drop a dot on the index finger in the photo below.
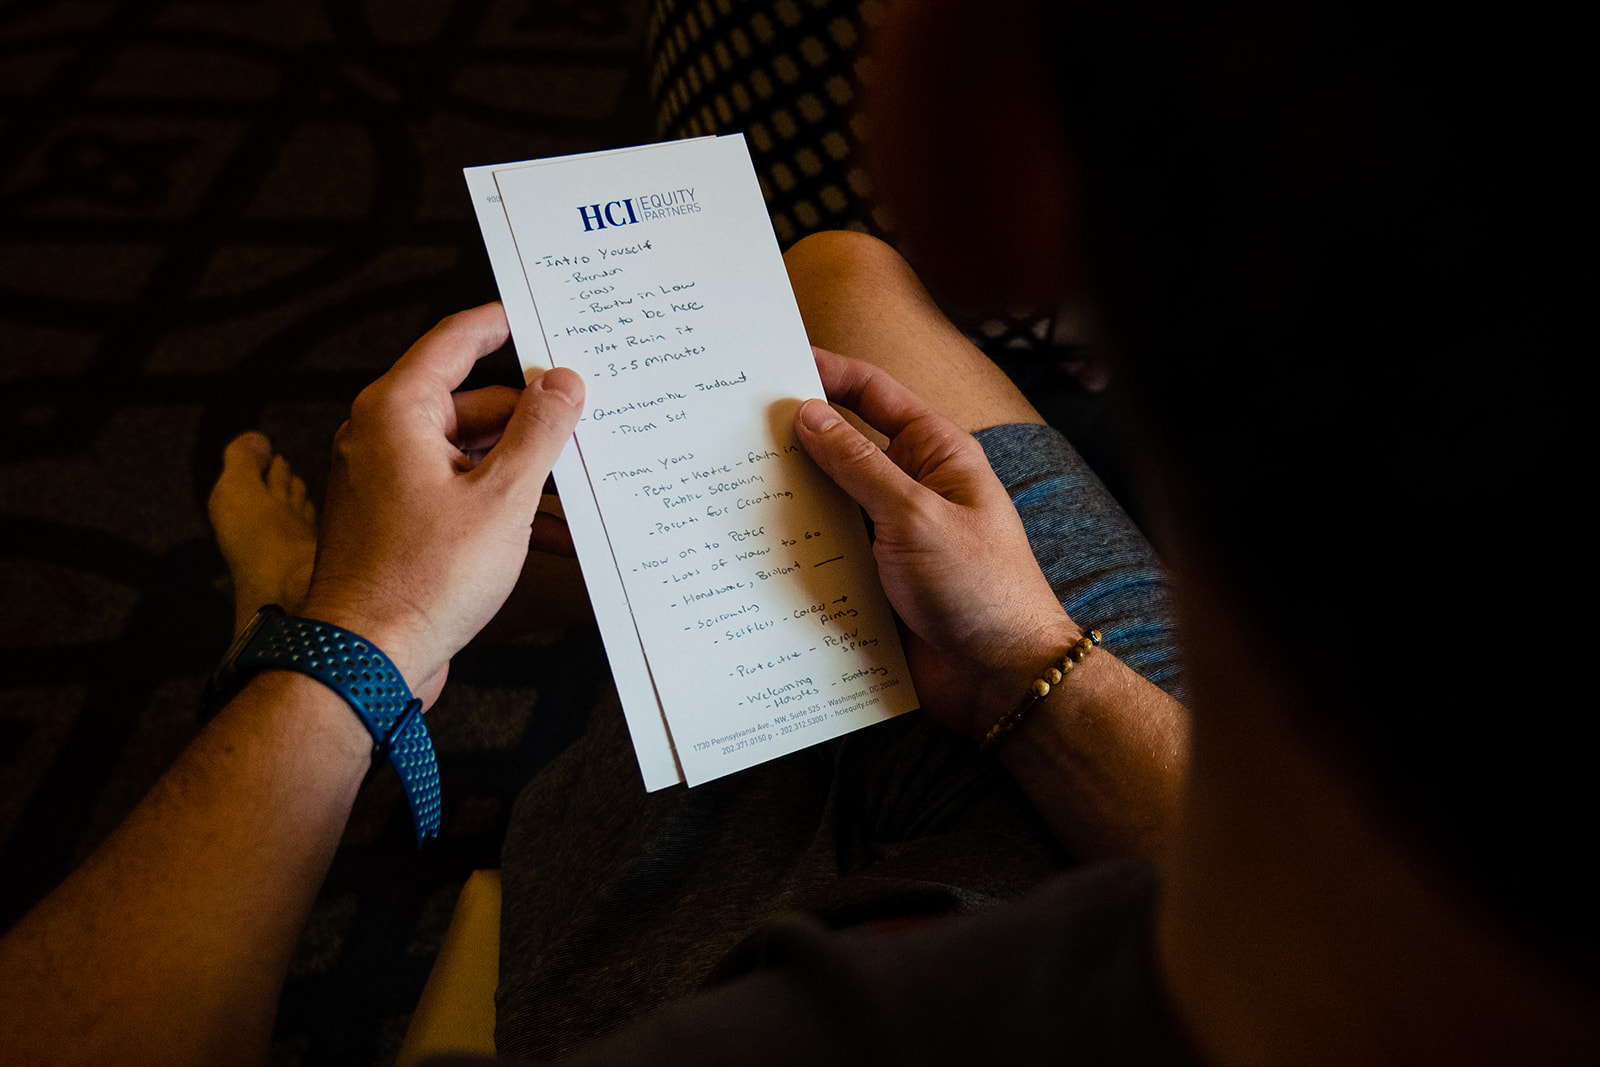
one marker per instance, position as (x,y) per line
(871,392)
(442,358)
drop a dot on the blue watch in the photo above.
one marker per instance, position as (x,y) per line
(354,668)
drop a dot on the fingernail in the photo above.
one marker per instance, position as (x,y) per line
(568,385)
(817,415)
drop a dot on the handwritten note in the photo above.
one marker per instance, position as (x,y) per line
(734,583)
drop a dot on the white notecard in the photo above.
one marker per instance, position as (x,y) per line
(733,581)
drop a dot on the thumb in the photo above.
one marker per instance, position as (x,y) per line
(858,466)
(545,416)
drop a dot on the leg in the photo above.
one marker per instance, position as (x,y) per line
(860,299)
(265,526)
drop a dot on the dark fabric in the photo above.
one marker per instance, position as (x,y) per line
(617,901)
(1068,975)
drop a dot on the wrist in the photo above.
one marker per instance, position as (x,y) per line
(397,642)
(1049,683)
(361,675)
(1006,679)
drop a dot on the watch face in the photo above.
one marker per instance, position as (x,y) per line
(219,687)
(250,629)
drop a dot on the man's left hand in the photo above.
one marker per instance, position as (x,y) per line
(432,496)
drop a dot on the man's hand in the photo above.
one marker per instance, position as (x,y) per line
(1102,759)
(950,547)
(432,496)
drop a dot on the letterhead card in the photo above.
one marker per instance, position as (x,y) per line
(729,568)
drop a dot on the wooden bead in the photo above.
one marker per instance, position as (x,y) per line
(1050,676)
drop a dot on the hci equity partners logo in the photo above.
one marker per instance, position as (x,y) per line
(630,210)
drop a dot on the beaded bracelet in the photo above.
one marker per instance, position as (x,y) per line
(1052,676)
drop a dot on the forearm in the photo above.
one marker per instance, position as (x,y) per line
(172,941)
(1102,758)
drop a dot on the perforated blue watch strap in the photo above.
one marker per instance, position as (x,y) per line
(352,667)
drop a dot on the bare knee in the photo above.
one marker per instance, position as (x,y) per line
(835,261)
(852,286)
(842,250)
(858,297)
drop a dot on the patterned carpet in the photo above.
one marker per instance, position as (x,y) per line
(225,214)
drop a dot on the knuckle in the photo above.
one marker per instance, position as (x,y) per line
(859,452)
(371,403)
(549,430)
(343,441)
